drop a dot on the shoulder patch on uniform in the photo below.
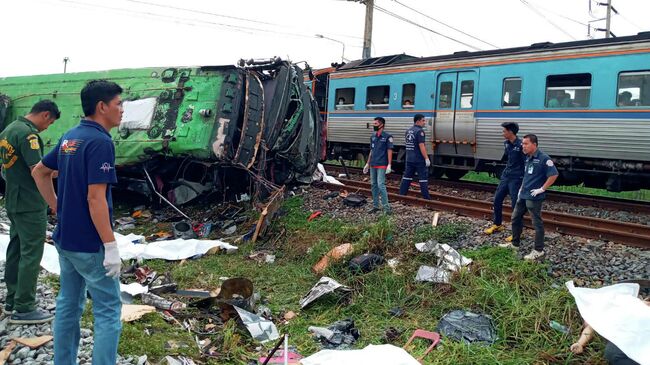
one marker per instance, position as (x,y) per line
(33,141)
(390,139)
(549,162)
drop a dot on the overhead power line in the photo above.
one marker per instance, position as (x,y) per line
(446,25)
(397,16)
(547,19)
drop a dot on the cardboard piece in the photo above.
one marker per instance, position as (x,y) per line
(133,312)
(33,342)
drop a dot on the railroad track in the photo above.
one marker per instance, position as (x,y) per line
(621,232)
(570,198)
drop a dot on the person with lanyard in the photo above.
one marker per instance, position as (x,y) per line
(21,149)
(539,174)
(379,161)
(88,255)
(417,159)
(511,177)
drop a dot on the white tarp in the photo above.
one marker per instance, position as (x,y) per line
(138,114)
(167,250)
(617,314)
(320,174)
(371,354)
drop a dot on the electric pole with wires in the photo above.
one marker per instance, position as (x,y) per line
(367,30)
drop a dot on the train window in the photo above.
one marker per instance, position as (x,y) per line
(466,94)
(408,96)
(633,89)
(568,91)
(377,97)
(446,95)
(345,99)
(511,93)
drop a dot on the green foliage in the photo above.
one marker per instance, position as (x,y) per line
(444,233)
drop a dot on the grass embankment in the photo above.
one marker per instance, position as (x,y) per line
(520,296)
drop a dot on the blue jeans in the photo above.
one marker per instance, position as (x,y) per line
(378,184)
(506,186)
(81,271)
(423,178)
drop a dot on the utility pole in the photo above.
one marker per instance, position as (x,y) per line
(65,63)
(367,32)
(609,19)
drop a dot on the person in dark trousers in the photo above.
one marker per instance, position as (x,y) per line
(417,159)
(21,149)
(511,177)
(379,161)
(88,253)
(539,174)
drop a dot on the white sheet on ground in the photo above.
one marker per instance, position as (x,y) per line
(321,174)
(617,314)
(371,354)
(167,250)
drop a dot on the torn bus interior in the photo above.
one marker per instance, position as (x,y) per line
(195,131)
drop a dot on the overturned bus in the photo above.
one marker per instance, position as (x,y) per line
(188,131)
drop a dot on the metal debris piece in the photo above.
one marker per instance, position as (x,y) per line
(268,213)
(235,292)
(162,303)
(260,328)
(339,335)
(183,229)
(468,327)
(324,286)
(433,274)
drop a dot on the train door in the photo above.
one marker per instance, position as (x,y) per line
(454,124)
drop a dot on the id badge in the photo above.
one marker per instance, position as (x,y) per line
(530,169)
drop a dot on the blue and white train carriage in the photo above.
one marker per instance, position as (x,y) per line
(587,101)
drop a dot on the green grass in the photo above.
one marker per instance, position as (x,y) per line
(520,296)
(643,195)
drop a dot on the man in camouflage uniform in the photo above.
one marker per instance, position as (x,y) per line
(21,149)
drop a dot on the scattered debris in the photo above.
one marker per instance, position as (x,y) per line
(133,312)
(289,315)
(278,358)
(321,175)
(393,263)
(268,213)
(162,303)
(396,312)
(324,286)
(331,195)
(371,354)
(314,215)
(392,334)
(558,327)
(6,352)
(434,337)
(230,230)
(354,200)
(183,230)
(262,257)
(195,293)
(260,328)
(180,360)
(449,260)
(33,342)
(468,327)
(339,335)
(144,275)
(366,262)
(334,254)
(436,218)
(134,289)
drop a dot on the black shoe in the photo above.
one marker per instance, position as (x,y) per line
(33,317)
(373,210)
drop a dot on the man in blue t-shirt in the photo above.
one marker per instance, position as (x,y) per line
(417,159)
(511,176)
(379,160)
(88,254)
(539,174)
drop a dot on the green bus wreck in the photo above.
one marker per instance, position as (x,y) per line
(187,131)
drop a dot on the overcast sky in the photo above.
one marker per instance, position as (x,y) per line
(100,34)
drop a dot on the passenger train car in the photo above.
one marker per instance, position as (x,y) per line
(587,101)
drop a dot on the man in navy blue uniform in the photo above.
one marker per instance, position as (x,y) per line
(88,253)
(379,160)
(539,174)
(417,159)
(512,175)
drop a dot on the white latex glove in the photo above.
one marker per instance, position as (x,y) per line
(112,262)
(388,169)
(536,192)
(427,162)
(366,169)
